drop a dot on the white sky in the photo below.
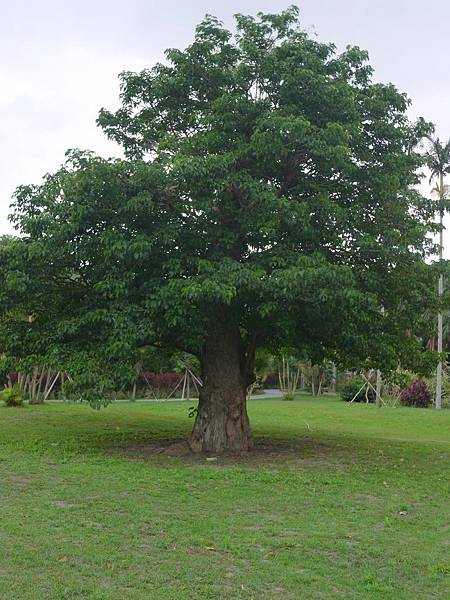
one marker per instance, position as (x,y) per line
(60,60)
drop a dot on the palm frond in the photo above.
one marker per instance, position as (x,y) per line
(438,157)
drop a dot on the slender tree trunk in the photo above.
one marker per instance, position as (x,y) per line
(41,379)
(26,384)
(63,395)
(222,422)
(35,393)
(33,386)
(47,381)
(55,379)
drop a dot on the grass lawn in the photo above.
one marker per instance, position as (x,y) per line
(339,501)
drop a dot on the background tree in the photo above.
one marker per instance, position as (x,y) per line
(266,201)
(438,160)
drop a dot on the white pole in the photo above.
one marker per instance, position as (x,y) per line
(378,399)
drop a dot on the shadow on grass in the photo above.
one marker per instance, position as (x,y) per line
(155,432)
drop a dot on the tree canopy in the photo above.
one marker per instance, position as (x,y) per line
(266,199)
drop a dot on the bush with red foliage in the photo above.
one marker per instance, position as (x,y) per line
(162,380)
(416,394)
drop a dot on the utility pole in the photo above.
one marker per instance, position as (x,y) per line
(438,398)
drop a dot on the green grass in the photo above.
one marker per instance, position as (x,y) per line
(339,501)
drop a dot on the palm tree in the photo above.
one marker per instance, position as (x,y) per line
(438,160)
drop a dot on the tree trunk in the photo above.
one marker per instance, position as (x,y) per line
(222,422)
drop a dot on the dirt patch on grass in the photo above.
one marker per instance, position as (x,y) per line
(306,452)
(177,448)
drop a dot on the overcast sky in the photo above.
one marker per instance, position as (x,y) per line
(60,60)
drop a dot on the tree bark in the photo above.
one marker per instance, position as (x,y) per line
(222,423)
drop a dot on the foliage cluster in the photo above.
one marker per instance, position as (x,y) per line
(416,394)
(12,396)
(355,388)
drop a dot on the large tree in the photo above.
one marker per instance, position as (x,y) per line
(266,199)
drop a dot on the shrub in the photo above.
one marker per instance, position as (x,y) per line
(416,394)
(352,387)
(12,396)
(160,383)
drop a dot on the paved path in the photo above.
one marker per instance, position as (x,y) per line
(266,394)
